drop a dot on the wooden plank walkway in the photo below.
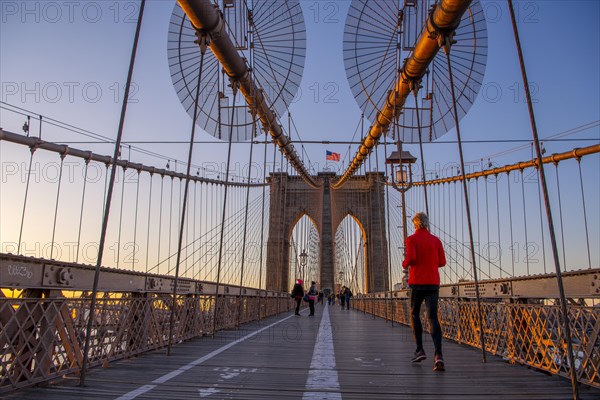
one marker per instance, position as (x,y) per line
(338,354)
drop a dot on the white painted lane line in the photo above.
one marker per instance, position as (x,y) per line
(146,388)
(322,376)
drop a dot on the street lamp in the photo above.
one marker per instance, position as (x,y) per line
(303,258)
(402,178)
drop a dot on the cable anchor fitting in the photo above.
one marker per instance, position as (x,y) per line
(446,40)
(203,40)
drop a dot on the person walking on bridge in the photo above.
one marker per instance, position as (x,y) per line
(424,255)
(298,294)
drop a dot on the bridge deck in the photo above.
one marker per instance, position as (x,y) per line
(288,357)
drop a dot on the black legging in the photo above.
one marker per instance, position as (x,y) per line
(311,305)
(298,301)
(430,294)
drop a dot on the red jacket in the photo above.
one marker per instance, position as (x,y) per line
(424,255)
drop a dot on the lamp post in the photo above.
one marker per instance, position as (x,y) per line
(402,180)
(303,258)
(402,177)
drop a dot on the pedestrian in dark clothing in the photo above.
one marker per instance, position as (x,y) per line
(298,294)
(312,296)
(342,297)
(425,255)
(347,295)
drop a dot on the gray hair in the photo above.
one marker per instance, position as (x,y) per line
(421,221)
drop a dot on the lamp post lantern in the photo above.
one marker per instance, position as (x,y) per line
(303,259)
(402,177)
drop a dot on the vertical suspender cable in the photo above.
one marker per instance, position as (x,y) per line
(185,196)
(220,259)
(525,220)
(587,236)
(487,227)
(170,223)
(246,217)
(91,318)
(541,219)
(135,223)
(148,227)
(62,161)
(160,212)
(466,194)
(32,150)
(87,163)
(121,216)
(562,232)
(498,226)
(421,149)
(563,300)
(512,242)
(194,229)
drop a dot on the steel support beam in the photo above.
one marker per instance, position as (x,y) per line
(207,19)
(442,21)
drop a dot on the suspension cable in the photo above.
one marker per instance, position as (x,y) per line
(560,213)
(542,174)
(203,43)
(415,90)
(498,225)
(62,161)
(148,227)
(235,88)
(466,194)
(91,317)
(525,220)
(31,151)
(135,223)
(587,236)
(121,215)
(510,219)
(246,219)
(85,175)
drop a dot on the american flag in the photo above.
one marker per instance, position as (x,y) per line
(332,156)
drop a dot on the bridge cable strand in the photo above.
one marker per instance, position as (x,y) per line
(510,221)
(32,151)
(60,173)
(487,225)
(121,214)
(541,216)
(498,225)
(587,236)
(85,175)
(182,207)
(148,221)
(235,88)
(104,228)
(417,112)
(135,223)
(560,213)
(525,220)
(239,311)
(447,46)
(159,227)
(387,220)
(542,175)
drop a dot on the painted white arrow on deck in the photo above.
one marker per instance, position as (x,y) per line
(207,392)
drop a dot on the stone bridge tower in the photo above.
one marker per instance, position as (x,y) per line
(362,197)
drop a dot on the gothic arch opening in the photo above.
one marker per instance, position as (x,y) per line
(304,251)
(350,256)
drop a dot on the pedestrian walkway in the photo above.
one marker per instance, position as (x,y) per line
(339,354)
